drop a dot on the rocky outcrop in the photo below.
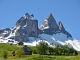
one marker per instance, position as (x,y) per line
(5,32)
(28,27)
(49,26)
(62,29)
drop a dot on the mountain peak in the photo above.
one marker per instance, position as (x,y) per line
(50,16)
(49,24)
(61,27)
(26,16)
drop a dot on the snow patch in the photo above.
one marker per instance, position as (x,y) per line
(13,34)
(75,43)
(46,27)
(58,38)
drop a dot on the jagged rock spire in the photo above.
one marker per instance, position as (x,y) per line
(27,27)
(26,14)
(26,17)
(61,27)
(49,16)
(32,15)
(49,24)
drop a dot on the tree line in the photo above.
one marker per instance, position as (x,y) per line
(43,49)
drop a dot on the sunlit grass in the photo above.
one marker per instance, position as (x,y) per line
(10,48)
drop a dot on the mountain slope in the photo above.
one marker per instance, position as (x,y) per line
(26,30)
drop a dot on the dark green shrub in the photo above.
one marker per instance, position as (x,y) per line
(5,54)
(20,43)
(34,52)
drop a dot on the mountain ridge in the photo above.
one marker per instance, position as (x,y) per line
(27,31)
(27,26)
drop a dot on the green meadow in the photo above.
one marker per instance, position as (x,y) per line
(11,48)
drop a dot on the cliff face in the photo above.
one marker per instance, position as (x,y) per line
(28,27)
(49,26)
(62,29)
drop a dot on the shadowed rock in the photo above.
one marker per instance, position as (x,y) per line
(49,26)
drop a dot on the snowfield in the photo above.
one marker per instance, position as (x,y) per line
(58,38)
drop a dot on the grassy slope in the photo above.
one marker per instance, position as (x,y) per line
(11,48)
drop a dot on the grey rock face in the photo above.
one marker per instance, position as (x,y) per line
(62,29)
(21,36)
(28,27)
(49,26)
(5,32)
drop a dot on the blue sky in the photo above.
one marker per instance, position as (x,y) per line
(66,11)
